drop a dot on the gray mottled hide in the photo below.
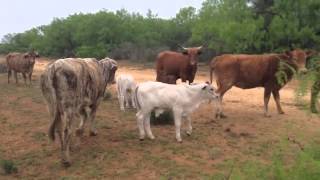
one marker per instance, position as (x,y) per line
(73,89)
(21,63)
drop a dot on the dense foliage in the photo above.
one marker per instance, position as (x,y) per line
(246,26)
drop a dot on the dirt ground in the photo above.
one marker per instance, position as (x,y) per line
(213,150)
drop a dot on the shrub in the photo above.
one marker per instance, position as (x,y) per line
(8,167)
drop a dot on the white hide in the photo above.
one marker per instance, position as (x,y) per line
(126,87)
(182,99)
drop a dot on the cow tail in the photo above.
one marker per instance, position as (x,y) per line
(211,71)
(48,88)
(136,98)
(212,65)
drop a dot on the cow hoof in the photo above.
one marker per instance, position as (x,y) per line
(66,164)
(141,139)
(281,112)
(267,115)
(79,132)
(189,133)
(93,133)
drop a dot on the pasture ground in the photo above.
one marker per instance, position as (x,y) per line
(246,145)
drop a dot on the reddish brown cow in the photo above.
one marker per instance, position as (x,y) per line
(21,62)
(171,66)
(250,71)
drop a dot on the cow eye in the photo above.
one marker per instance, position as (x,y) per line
(199,52)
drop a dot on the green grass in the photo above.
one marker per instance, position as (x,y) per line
(8,166)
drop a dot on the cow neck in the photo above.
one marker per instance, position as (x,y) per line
(290,63)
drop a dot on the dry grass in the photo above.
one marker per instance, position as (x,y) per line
(213,149)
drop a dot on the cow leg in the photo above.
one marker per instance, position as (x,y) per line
(93,130)
(140,119)
(30,76)
(24,78)
(314,96)
(147,125)
(9,75)
(177,121)
(66,136)
(15,76)
(84,114)
(276,97)
(267,94)
(223,87)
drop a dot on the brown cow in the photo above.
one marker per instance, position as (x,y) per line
(250,71)
(21,62)
(182,65)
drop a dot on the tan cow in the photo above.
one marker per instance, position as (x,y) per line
(250,71)
(21,63)
(73,90)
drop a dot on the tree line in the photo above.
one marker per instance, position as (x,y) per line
(223,26)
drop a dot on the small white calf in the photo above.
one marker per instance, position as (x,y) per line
(181,99)
(126,87)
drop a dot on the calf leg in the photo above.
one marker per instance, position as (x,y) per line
(276,97)
(147,125)
(126,99)
(267,94)
(189,125)
(177,122)
(132,100)
(9,75)
(140,119)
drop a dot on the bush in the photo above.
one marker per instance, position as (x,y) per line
(8,167)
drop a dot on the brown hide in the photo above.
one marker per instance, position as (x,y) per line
(183,65)
(250,71)
(21,63)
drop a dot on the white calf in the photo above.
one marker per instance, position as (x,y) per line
(181,99)
(126,87)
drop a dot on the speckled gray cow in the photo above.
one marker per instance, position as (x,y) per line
(73,89)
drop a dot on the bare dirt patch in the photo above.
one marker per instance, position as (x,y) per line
(118,154)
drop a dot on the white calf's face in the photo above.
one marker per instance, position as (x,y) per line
(210,92)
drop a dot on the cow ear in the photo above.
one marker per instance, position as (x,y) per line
(184,52)
(26,56)
(199,52)
(204,87)
(310,53)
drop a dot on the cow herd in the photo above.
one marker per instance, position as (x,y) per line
(73,88)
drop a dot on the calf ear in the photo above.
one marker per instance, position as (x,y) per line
(204,87)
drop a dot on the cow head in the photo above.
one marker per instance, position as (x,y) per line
(109,68)
(192,54)
(299,57)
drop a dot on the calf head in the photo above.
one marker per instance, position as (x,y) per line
(109,68)
(192,54)
(209,91)
(299,58)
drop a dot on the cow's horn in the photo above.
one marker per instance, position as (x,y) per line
(182,47)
